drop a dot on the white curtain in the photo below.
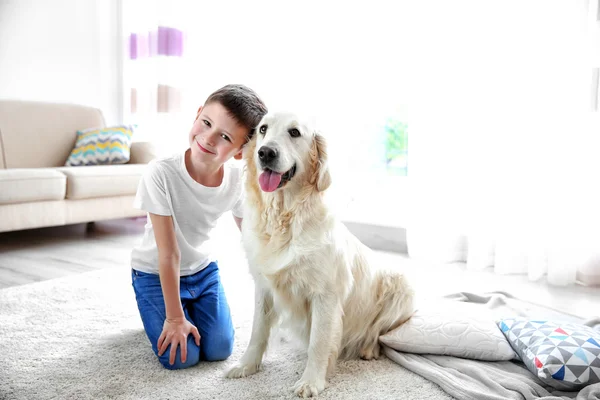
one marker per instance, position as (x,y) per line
(504,152)
(341,64)
(502,147)
(153,72)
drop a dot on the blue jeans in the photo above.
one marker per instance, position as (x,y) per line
(204,305)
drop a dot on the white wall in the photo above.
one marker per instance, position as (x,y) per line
(62,50)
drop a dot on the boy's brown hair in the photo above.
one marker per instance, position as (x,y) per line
(242,104)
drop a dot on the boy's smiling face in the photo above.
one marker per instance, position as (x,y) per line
(215,136)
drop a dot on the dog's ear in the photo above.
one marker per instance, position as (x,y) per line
(321,177)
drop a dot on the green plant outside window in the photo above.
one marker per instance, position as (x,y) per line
(396,147)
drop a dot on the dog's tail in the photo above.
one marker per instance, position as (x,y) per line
(395,301)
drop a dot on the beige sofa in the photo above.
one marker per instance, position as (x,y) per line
(37,190)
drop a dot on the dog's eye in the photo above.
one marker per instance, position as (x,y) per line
(263,129)
(294,132)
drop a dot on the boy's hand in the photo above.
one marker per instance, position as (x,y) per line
(175,333)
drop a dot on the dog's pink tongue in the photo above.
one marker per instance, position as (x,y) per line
(269,181)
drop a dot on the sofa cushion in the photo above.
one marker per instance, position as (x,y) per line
(21,185)
(102,146)
(102,180)
(40,134)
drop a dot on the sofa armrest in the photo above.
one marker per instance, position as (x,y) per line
(141,152)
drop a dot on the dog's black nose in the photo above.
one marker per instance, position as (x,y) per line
(267,154)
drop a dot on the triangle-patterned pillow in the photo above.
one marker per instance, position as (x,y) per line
(565,356)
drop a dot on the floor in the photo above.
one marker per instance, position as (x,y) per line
(40,254)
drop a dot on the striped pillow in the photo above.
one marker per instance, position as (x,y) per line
(101,146)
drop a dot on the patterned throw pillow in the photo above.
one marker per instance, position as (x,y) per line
(101,146)
(565,356)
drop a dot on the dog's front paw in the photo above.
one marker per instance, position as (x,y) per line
(309,387)
(242,370)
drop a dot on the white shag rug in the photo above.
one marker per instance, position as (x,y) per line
(81,337)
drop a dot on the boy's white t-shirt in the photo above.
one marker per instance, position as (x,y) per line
(166,188)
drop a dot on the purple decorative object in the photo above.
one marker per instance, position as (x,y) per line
(138,45)
(166,42)
(170,41)
(176,43)
(133,46)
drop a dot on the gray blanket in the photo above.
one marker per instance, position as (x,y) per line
(481,380)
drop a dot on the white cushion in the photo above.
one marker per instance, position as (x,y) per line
(102,180)
(22,185)
(451,328)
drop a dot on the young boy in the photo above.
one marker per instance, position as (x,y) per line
(176,282)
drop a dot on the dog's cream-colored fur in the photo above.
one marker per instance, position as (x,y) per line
(309,271)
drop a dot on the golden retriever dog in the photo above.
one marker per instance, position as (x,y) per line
(309,271)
